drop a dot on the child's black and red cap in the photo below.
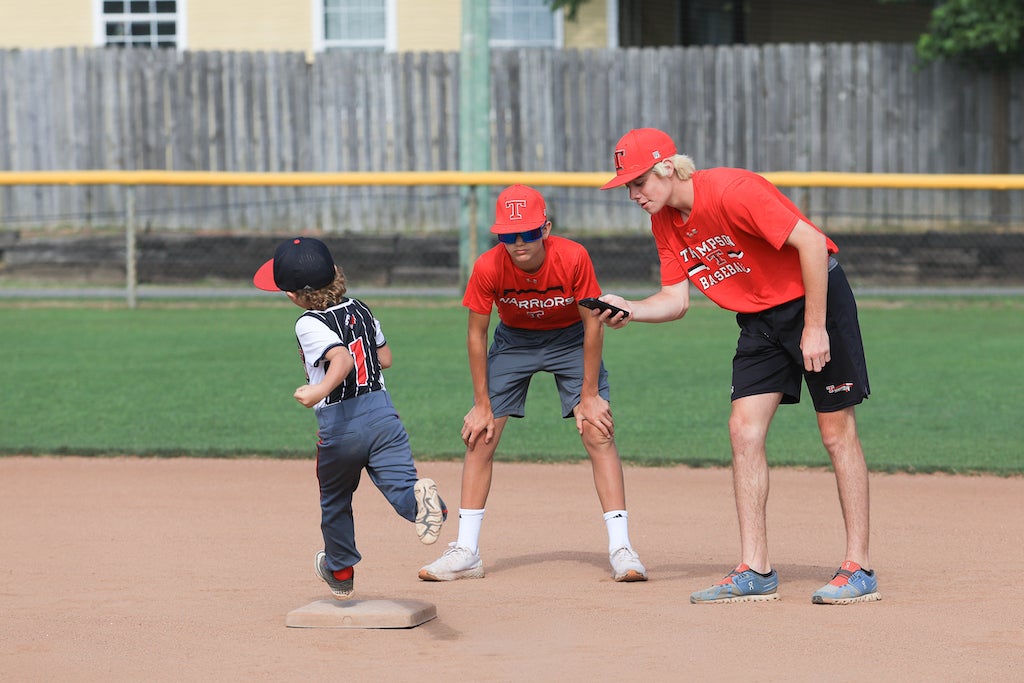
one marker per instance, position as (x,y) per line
(300,264)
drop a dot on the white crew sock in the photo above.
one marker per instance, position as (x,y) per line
(469,529)
(617,522)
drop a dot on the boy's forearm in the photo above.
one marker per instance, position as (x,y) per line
(476,348)
(813,255)
(593,346)
(341,364)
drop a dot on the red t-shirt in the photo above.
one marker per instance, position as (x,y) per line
(545,300)
(732,246)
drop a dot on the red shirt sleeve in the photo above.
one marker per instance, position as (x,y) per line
(757,207)
(480,290)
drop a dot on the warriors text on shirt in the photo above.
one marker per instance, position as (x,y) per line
(534,306)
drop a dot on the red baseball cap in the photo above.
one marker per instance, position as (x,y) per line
(519,208)
(299,264)
(636,152)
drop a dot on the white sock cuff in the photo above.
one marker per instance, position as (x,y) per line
(470,522)
(611,514)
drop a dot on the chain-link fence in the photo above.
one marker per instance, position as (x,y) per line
(134,255)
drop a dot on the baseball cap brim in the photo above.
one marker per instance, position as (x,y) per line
(624,178)
(511,229)
(264,277)
(637,152)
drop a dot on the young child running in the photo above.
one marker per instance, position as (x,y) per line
(344,351)
(536,281)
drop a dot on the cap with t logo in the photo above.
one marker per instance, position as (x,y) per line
(519,208)
(636,152)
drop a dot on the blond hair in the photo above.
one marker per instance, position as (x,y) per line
(325,297)
(683,164)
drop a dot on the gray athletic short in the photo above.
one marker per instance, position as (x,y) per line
(516,355)
(768,357)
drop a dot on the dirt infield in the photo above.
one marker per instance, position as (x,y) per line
(183,570)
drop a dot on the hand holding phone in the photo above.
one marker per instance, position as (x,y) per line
(597,304)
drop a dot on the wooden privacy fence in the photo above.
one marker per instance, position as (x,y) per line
(834,108)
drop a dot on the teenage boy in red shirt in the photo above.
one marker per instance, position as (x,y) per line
(535,280)
(747,247)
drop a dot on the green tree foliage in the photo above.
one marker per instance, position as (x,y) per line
(982,33)
(571,7)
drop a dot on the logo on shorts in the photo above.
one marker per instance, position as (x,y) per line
(836,388)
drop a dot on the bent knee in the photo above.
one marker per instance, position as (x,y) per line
(481,454)
(838,428)
(597,442)
(743,431)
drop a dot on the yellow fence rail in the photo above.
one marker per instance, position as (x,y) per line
(925,181)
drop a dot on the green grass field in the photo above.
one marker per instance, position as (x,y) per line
(215,379)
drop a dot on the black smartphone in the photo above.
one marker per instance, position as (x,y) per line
(602,306)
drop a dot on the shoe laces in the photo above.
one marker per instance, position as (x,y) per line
(454,549)
(842,577)
(735,572)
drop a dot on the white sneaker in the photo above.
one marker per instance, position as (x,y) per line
(626,565)
(456,563)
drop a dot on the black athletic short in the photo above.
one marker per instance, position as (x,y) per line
(768,357)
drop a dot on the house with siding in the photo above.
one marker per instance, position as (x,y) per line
(315,26)
(372,85)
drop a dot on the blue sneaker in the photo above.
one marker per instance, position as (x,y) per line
(850,584)
(741,585)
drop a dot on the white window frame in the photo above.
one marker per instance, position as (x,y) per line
(390,43)
(558,39)
(99,26)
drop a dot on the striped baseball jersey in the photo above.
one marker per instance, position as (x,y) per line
(350,324)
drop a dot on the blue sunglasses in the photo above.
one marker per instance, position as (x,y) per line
(528,236)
